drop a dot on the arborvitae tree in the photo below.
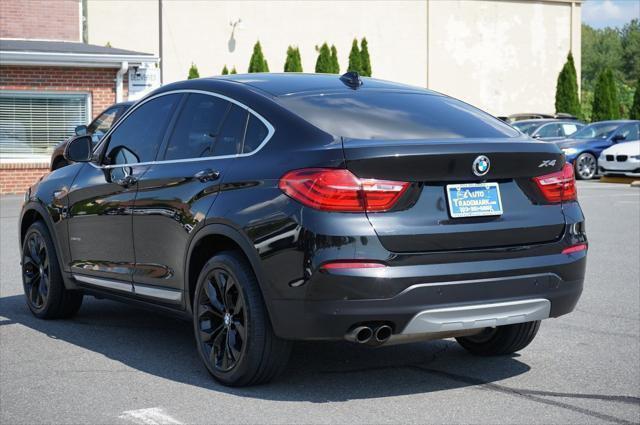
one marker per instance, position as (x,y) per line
(258,62)
(365,61)
(225,71)
(615,99)
(323,63)
(293,63)
(233,70)
(634,112)
(567,89)
(335,65)
(604,107)
(193,72)
(355,63)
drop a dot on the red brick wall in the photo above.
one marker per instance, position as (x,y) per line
(16,178)
(100,82)
(40,19)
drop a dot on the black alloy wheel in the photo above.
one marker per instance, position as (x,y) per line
(222,320)
(36,272)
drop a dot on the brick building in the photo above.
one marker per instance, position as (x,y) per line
(50,82)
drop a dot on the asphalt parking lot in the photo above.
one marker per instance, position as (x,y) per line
(119,364)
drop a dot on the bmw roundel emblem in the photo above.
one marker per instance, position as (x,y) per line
(481,166)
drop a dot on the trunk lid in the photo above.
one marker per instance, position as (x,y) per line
(422,220)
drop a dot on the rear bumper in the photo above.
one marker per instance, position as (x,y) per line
(435,299)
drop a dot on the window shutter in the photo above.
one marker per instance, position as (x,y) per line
(32,124)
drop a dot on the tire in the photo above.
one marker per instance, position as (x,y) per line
(501,340)
(585,166)
(233,333)
(46,296)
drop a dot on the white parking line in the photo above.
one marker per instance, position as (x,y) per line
(150,416)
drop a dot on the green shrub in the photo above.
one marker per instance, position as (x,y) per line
(323,63)
(293,63)
(567,99)
(634,112)
(233,70)
(335,65)
(225,71)
(365,61)
(605,104)
(193,72)
(258,63)
(355,60)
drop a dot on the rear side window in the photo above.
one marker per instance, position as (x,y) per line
(229,140)
(142,132)
(256,133)
(197,127)
(370,114)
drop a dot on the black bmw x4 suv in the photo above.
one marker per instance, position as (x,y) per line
(272,208)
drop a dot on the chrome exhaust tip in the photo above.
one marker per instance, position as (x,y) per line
(383,333)
(360,335)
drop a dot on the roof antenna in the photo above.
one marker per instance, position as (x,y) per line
(351,79)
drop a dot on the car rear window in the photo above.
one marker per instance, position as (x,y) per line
(387,115)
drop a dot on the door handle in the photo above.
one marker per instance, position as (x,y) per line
(207,175)
(127,181)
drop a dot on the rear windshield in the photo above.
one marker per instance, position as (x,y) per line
(369,114)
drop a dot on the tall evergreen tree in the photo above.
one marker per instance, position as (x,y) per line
(604,107)
(258,62)
(225,71)
(323,63)
(616,110)
(354,58)
(365,61)
(335,65)
(233,70)
(293,63)
(634,112)
(193,72)
(567,99)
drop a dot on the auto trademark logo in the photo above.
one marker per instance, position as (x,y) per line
(481,166)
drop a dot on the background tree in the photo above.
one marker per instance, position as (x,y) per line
(258,62)
(233,70)
(193,72)
(323,63)
(630,40)
(293,63)
(335,65)
(354,58)
(604,106)
(634,112)
(225,71)
(567,99)
(365,61)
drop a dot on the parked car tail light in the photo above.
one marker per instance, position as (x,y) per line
(575,248)
(338,190)
(559,186)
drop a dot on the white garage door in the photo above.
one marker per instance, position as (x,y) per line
(32,124)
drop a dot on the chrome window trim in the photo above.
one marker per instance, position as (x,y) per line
(270,128)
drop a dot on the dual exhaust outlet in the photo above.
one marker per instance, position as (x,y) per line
(369,335)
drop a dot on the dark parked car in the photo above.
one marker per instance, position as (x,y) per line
(548,129)
(278,207)
(536,116)
(583,148)
(98,128)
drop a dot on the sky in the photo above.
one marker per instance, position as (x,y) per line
(609,13)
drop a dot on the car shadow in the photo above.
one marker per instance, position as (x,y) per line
(317,372)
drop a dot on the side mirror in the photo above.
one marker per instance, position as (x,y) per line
(617,138)
(81,130)
(79,149)
(537,136)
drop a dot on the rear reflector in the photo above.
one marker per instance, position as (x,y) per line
(559,186)
(330,189)
(575,248)
(351,265)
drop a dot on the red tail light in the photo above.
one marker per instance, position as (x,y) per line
(352,264)
(559,186)
(330,189)
(575,248)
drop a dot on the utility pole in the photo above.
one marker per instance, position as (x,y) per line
(160,40)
